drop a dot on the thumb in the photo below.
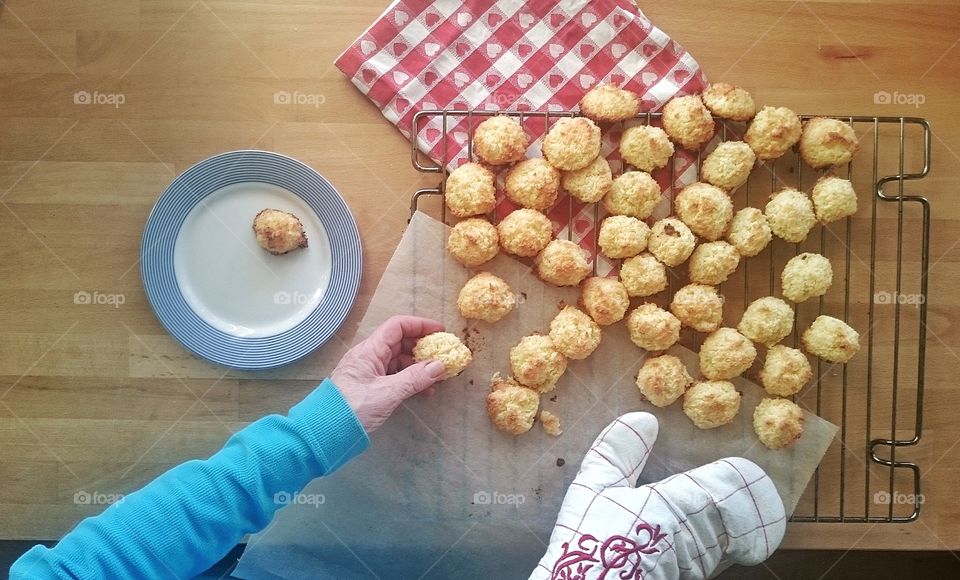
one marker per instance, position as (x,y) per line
(418,377)
(618,455)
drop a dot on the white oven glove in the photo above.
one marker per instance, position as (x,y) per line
(685,526)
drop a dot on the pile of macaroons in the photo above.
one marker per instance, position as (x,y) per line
(704,232)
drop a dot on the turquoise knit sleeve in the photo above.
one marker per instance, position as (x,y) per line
(191,516)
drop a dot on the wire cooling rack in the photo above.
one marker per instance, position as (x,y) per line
(880,258)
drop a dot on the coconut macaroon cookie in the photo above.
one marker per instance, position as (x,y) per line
(671,241)
(622,236)
(806,276)
(486,297)
(473,242)
(831,339)
(525,232)
(645,147)
(574,333)
(635,193)
(833,199)
(589,184)
(533,184)
(605,300)
(827,142)
(536,363)
(278,232)
(790,215)
(705,208)
(446,348)
(725,354)
(688,122)
(785,371)
(773,131)
(643,275)
(749,231)
(470,190)
(607,104)
(572,143)
(729,102)
(767,320)
(652,328)
(778,422)
(713,262)
(663,379)
(698,306)
(512,408)
(729,165)
(562,263)
(499,140)
(711,404)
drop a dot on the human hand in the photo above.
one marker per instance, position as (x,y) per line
(686,526)
(379,372)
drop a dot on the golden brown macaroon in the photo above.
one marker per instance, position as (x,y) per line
(711,404)
(698,306)
(827,142)
(663,379)
(608,104)
(574,333)
(605,300)
(652,328)
(622,236)
(533,184)
(589,184)
(470,190)
(729,165)
(512,408)
(446,348)
(806,276)
(572,143)
(635,193)
(536,363)
(525,232)
(790,215)
(563,263)
(785,371)
(706,209)
(646,147)
(767,320)
(688,122)
(551,423)
(778,422)
(713,262)
(486,297)
(725,354)
(833,199)
(643,275)
(831,339)
(671,241)
(773,131)
(500,140)
(729,102)
(279,232)
(473,242)
(749,232)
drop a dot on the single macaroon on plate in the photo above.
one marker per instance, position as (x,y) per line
(222,295)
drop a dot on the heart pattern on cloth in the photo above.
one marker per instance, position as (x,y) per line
(431,48)
(367,47)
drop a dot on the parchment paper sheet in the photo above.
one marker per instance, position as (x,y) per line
(442,493)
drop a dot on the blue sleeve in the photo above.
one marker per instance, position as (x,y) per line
(191,516)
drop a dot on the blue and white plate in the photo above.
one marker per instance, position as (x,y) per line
(221,295)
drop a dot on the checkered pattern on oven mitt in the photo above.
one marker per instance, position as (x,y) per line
(685,526)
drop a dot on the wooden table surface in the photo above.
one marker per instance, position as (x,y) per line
(99,399)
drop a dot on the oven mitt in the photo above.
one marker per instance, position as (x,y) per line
(689,525)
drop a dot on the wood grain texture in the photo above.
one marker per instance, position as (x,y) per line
(100,399)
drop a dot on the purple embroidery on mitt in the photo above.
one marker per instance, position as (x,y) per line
(613,555)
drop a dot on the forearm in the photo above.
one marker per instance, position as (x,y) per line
(192,515)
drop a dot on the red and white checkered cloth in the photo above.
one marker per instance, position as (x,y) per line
(515,55)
